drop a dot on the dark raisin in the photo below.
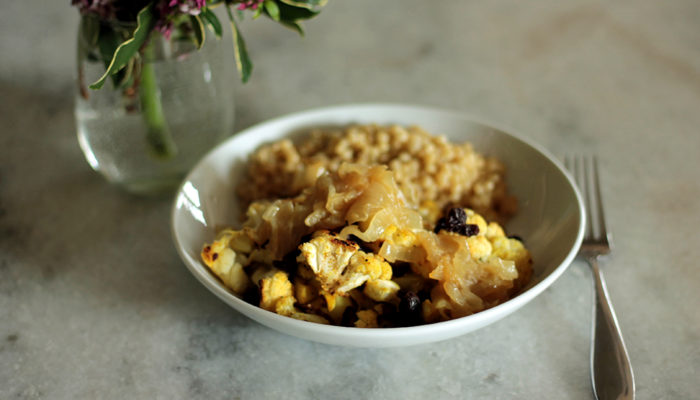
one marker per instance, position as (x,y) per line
(470,230)
(454,221)
(409,310)
(410,302)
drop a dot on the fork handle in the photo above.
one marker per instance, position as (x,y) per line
(611,371)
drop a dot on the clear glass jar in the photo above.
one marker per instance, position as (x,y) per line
(146,134)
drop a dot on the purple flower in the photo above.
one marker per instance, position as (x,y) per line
(249,4)
(192,7)
(102,8)
(168,9)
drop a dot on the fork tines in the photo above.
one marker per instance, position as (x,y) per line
(585,172)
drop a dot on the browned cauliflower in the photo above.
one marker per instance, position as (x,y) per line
(340,266)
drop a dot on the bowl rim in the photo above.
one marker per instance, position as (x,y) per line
(269,318)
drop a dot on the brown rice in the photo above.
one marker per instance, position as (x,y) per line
(432,172)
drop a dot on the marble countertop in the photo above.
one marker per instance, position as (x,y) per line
(95,303)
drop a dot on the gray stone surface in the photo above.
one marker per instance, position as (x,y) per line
(95,303)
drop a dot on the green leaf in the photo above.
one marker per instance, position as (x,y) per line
(245,66)
(290,16)
(293,14)
(90,30)
(293,26)
(305,3)
(107,43)
(199,32)
(126,50)
(213,21)
(272,10)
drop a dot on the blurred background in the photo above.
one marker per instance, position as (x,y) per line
(95,303)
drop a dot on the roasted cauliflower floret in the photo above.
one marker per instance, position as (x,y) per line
(273,288)
(476,219)
(239,241)
(514,250)
(304,292)
(511,249)
(285,306)
(341,304)
(381,290)
(493,230)
(328,256)
(276,295)
(339,266)
(479,246)
(210,252)
(366,319)
(226,264)
(371,265)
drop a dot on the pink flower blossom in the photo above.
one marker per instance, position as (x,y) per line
(192,7)
(167,9)
(102,8)
(249,4)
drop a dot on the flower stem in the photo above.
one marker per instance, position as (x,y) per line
(158,133)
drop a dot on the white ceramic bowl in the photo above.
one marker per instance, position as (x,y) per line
(550,217)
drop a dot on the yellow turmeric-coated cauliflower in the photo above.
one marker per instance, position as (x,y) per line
(479,246)
(387,253)
(476,219)
(493,230)
(328,257)
(274,286)
(371,265)
(225,263)
(383,290)
(276,295)
(367,319)
(341,304)
(514,250)
(339,266)
(285,306)
(304,292)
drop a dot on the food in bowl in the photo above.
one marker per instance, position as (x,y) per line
(372,226)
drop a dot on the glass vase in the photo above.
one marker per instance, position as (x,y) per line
(146,131)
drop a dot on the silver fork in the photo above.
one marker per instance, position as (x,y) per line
(611,371)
